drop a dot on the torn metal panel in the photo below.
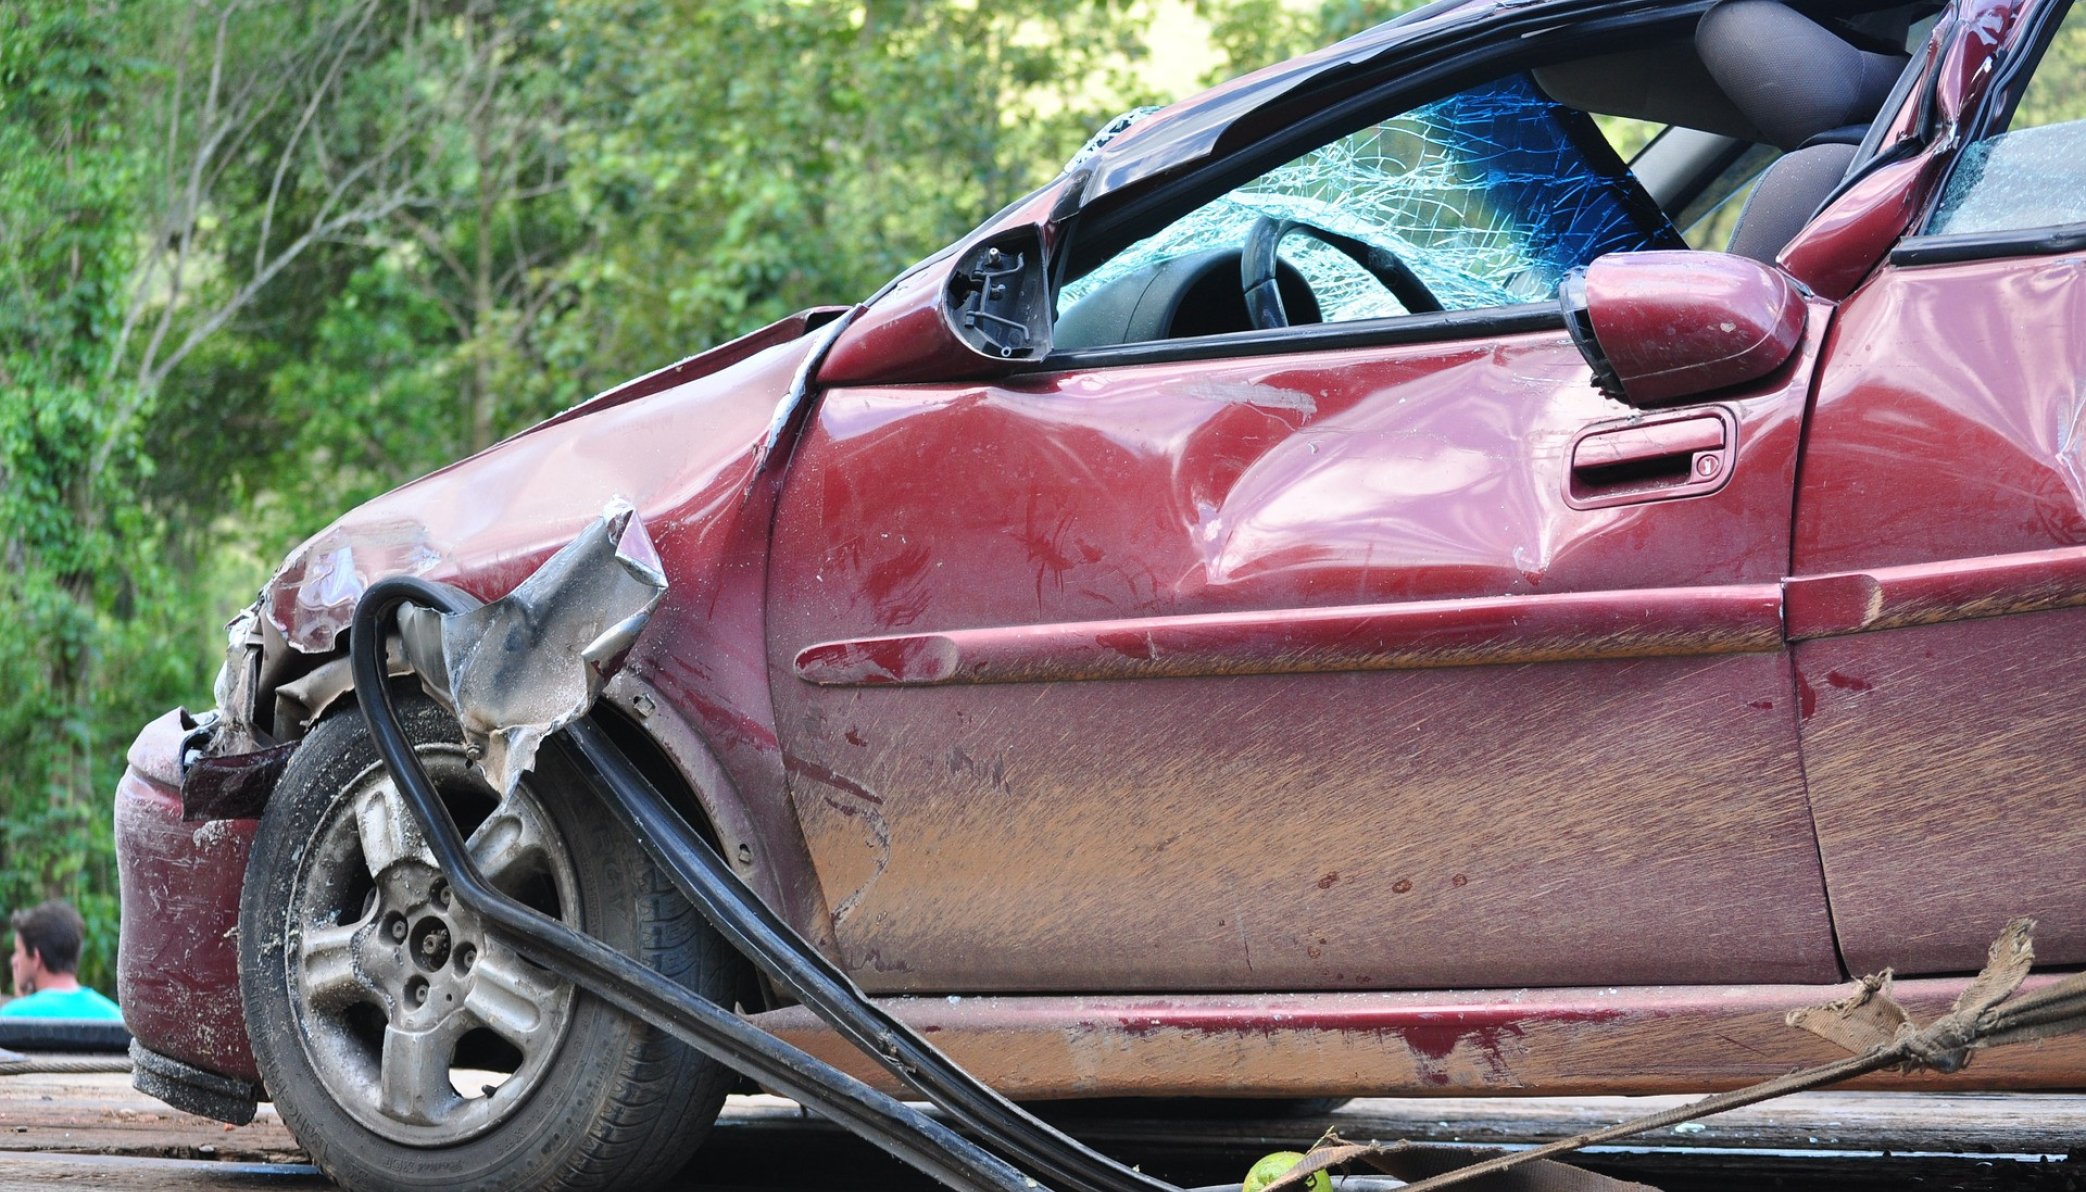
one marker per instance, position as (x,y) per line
(530,494)
(324,580)
(528,664)
(685,457)
(238,687)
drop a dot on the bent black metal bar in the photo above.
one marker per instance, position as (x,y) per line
(759,934)
(933,1148)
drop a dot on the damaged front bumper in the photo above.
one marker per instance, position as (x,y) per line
(190,801)
(177,964)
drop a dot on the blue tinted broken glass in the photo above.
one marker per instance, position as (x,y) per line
(1490,196)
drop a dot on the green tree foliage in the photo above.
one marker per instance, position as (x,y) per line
(1255,33)
(65,219)
(261,259)
(2057,91)
(738,159)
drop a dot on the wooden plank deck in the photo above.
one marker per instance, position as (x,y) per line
(95,1131)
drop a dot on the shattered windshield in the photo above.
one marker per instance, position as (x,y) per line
(1490,196)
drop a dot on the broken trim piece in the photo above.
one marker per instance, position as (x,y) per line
(1488,631)
(1932,593)
(627,984)
(526,666)
(192,1089)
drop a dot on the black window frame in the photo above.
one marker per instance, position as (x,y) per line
(1992,115)
(1095,233)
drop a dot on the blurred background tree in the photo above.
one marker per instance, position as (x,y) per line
(263,259)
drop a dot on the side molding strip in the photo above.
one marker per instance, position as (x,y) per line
(1930,593)
(1489,631)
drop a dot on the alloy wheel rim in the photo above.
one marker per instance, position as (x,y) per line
(419,1023)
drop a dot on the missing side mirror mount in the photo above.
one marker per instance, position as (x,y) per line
(999,302)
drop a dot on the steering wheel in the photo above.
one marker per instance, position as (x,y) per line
(1257,268)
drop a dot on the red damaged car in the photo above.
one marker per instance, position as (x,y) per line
(1350,589)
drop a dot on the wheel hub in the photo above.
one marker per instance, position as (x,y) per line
(423,1026)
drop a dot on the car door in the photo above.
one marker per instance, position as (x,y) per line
(1941,546)
(1384,652)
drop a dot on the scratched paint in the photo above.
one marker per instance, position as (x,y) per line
(1954,744)
(1547,1042)
(177,967)
(1170,832)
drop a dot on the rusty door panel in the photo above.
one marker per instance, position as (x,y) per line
(1941,534)
(1070,825)
(688,456)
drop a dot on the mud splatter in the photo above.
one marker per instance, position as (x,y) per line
(1848,682)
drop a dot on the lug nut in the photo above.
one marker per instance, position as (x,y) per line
(417,993)
(429,943)
(440,895)
(398,930)
(466,956)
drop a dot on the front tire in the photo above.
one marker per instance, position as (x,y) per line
(407,1047)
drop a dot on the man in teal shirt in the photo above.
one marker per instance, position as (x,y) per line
(46,952)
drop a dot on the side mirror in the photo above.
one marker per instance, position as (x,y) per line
(1661,328)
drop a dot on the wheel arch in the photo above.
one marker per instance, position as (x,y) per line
(770,857)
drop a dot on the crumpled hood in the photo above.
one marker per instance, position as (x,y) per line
(680,445)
